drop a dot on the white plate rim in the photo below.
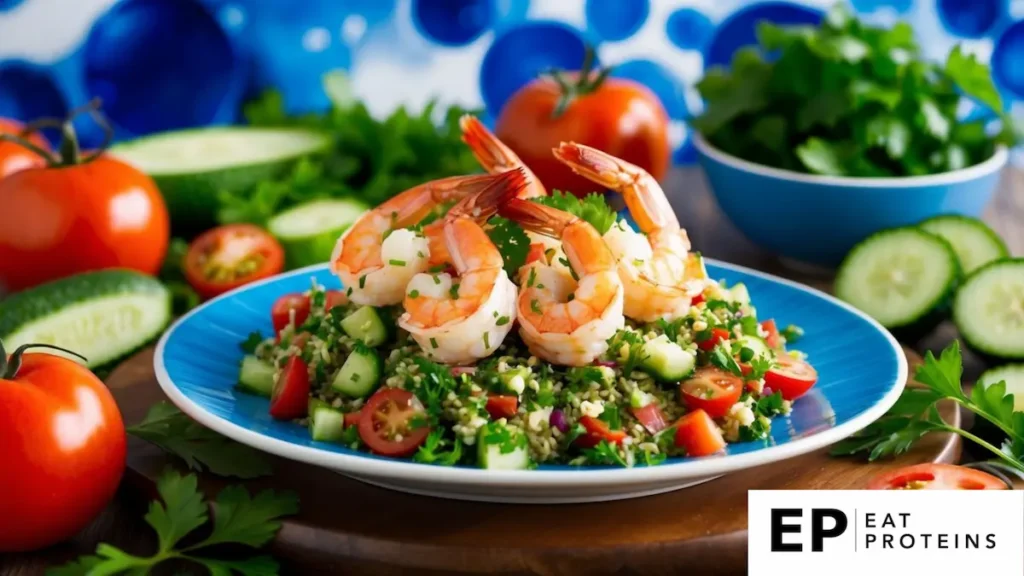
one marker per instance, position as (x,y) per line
(403,471)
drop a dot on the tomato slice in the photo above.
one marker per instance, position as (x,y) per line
(651,417)
(598,430)
(936,477)
(334,298)
(771,334)
(712,390)
(792,377)
(536,253)
(698,435)
(717,335)
(353,418)
(227,257)
(393,423)
(290,396)
(281,312)
(501,406)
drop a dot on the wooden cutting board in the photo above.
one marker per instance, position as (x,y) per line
(347,527)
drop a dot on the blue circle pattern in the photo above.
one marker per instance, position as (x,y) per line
(160,65)
(28,92)
(9,4)
(740,29)
(970,18)
(518,55)
(689,29)
(869,6)
(615,20)
(453,22)
(1006,58)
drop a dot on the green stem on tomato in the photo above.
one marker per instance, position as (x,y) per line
(9,366)
(1013,462)
(588,80)
(25,143)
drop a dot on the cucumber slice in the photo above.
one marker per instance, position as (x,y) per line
(309,231)
(666,360)
(102,315)
(989,309)
(191,167)
(756,345)
(510,455)
(903,277)
(365,324)
(360,374)
(973,241)
(256,376)
(739,293)
(1013,375)
(327,424)
(315,403)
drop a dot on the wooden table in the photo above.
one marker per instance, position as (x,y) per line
(121,524)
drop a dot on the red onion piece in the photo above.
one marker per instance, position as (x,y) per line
(766,391)
(460,370)
(608,364)
(557,420)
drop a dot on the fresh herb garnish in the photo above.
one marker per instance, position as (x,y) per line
(511,241)
(174,432)
(502,321)
(435,450)
(634,342)
(792,333)
(721,357)
(395,262)
(610,416)
(672,329)
(436,381)
(593,208)
(759,366)
(605,453)
(414,294)
(180,511)
(252,342)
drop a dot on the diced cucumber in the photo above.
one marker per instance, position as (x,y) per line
(365,324)
(193,167)
(638,398)
(973,241)
(308,232)
(739,293)
(510,454)
(903,277)
(101,315)
(315,403)
(989,309)
(256,376)
(666,360)
(360,374)
(514,380)
(756,345)
(1013,375)
(327,424)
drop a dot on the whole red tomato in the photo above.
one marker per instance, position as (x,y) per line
(79,215)
(617,116)
(62,445)
(15,157)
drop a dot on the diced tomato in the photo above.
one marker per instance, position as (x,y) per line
(772,334)
(290,396)
(334,298)
(281,312)
(353,418)
(598,430)
(712,390)
(698,435)
(536,253)
(697,299)
(500,406)
(936,477)
(393,423)
(651,417)
(792,377)
(717,335)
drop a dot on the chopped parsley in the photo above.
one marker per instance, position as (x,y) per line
(610,416)
(535,306)
(605,453)
(637,353)
(414,294)
(434,450)
(720,357)
(433,343)
(252,342)
(532,278)
(454,291)
(593,208)
(502,321)
(792,333)
(362,281)
(487,339)
(394,262)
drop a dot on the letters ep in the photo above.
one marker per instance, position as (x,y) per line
(783,524)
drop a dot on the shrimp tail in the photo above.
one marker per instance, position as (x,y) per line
(458,187)
(595,165)
(537,217)
(502,189)
(488,150)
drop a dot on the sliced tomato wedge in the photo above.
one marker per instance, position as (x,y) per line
(712,390)
(936,477)
(717,335)
(651,417)
(536,253)
(598,430)
(290,397)
(698,435)
(771,337)
(227,257)
(393,423)
(353,418)
(792,377)
(281,312)
(502,406)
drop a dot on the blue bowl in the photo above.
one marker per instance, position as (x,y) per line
(817,219)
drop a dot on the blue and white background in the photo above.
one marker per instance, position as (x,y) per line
(166,64)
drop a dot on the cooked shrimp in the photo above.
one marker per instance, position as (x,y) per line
(377,269)
(494,156)
(659,274)
(460,320)
(564,320)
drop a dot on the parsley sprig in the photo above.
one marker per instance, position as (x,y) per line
(593,208)
(915,414)
(180,511)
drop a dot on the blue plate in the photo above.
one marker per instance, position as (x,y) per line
(861,368)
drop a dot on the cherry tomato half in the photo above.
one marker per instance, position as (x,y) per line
(717,335)
(393,423)
(353,418)
(290,396)
(771,337)
(792,377)
(500,406)
(698,435)
(936,477)
(598,430)
(651,417)
(227,257)
(712,390)
(281,312)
